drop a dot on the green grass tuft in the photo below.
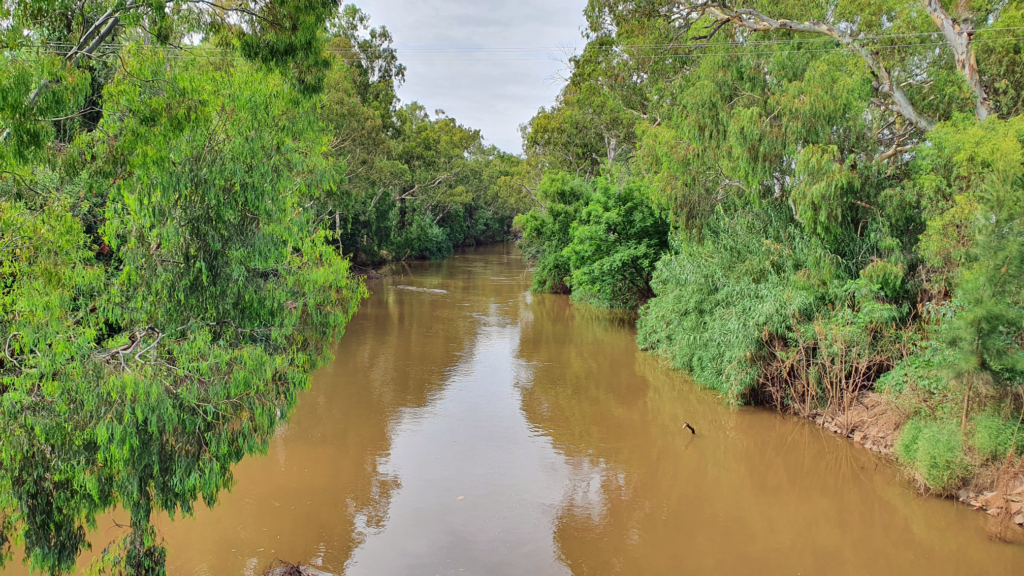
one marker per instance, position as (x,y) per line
(934,449)
(994,435)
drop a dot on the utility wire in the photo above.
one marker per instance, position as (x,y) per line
(222,54)
(442,50)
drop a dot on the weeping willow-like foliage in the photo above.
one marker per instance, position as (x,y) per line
(184,189)
(164,299)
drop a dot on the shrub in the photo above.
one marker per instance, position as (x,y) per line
(547,231)
(919,372)
(717,299)
(616,242)
(424,239)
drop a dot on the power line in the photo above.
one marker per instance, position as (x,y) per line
(219,54)
(446,50)
(683,45)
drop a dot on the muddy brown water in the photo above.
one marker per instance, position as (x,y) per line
(469,427)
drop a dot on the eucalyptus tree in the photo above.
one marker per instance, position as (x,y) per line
(283,33)
(852,24)
(167,282)
(371,54)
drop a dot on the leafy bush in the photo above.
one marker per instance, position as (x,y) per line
(616,242)
(547,231)
(933,448)
(598,240)
(920,371)
(424,239)
(717,298)
(975,243)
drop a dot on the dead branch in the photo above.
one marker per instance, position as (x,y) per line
(530,192)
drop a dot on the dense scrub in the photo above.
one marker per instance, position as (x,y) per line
(599,240)
(844,191)
(183,192)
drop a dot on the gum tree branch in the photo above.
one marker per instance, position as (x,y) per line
(110,21)
(104,26)
(757,22)
(959,36)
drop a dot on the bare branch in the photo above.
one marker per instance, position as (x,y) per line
(530,192)
(884,156)
(959,36)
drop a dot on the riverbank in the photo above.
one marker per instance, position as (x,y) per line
(382,270)
(995,488)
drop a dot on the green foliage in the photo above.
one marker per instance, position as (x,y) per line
(422,189)
(373,59)
(615,243)
(546,232)
(424,239)
(718,296)
(933,448)
(1001,62)
(30,126)
(827,241)
(598,240)
(289,34)
(176,235)
(827,189)
(949,235)
(994,436)
(988,329)
(165,299)
(921,371)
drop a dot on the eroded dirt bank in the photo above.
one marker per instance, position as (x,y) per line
(995,489)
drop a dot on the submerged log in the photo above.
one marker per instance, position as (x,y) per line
(285,569)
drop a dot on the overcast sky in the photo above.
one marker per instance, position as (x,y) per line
(490,91)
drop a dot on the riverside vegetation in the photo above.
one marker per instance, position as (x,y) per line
(804,201)
(844,185)
(185,187)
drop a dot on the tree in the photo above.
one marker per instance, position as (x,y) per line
(167,289)
(371,55)
(846,23)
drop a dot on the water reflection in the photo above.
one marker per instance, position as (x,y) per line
(467,426)
(754,492)
(335,473)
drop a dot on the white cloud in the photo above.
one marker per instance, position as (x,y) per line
(491,91)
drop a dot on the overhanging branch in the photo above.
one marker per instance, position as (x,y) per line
(757,22)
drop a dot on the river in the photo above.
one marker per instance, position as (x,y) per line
(467,426)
